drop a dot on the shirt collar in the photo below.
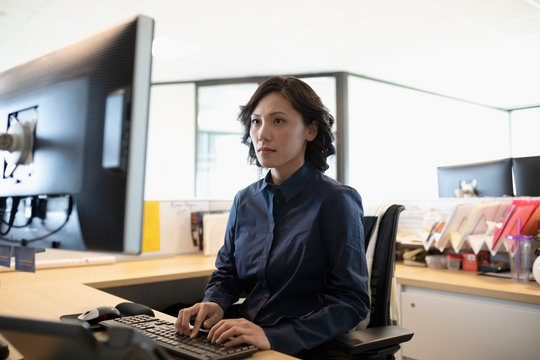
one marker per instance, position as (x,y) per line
(292,186)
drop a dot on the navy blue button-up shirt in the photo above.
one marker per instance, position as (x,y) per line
(297,251)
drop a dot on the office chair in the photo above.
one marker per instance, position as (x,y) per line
(380,339)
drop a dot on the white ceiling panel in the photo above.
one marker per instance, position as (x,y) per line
(484,51)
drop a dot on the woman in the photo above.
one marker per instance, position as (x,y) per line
(294,242)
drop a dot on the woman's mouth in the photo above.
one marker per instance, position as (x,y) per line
(265,150)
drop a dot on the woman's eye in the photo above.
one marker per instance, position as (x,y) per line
(279,121)
(254,121)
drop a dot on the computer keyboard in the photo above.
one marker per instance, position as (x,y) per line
(164,333)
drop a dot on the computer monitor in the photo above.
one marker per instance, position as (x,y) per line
(74,123)
(527,175)
(493,178)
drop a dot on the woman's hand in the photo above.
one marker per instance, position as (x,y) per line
(206,314)
(232,332)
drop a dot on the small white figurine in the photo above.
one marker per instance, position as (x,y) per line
(467,189)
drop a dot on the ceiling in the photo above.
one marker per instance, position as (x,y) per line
(485,51)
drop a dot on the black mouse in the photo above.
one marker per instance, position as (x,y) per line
(4,350)
(101,313)
(129,309)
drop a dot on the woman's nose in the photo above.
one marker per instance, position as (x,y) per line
(263,132)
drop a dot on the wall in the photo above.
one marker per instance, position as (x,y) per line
(525,131)
(397,136)
(170,163)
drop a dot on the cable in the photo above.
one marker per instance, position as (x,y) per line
(12,224)
(14,206)
(24,242)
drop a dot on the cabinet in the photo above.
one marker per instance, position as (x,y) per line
(450,325)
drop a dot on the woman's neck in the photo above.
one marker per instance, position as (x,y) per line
(281,174)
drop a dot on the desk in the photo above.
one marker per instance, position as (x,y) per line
(467,282)
(459,314)
(50,293)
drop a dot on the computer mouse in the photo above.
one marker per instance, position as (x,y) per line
(101,313)
(4,350)
(129,309)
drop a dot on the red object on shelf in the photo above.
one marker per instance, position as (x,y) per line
(470,261)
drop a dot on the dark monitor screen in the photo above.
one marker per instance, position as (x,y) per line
(73,124)
(527,175)
(45,340)
(493,178)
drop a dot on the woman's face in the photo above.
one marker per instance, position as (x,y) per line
(279,136)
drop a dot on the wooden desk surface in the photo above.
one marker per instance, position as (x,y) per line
(467,282)
(50,293)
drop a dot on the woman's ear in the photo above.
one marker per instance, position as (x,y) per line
(312,130)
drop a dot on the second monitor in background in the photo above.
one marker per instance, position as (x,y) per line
(492,178)
(527,175)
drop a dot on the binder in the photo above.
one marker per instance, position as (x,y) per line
(533,224)
(455,226)
(519,212)
(478,227)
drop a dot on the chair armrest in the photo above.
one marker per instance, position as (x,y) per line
(357,341)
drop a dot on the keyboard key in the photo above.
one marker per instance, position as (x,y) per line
(164,333)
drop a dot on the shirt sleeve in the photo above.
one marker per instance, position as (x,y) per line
(345,297)
(224,285)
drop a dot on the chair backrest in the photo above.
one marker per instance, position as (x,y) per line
(382,269)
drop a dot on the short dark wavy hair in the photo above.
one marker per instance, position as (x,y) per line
(308,104)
